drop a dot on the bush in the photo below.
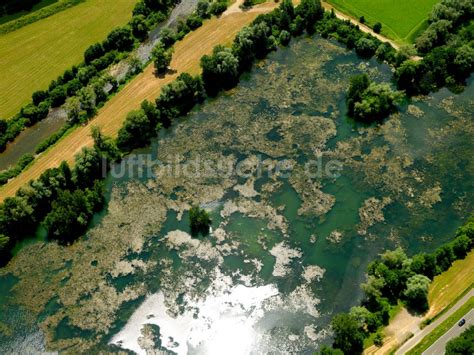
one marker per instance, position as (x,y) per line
(377,27)
(199,221)
(378,339)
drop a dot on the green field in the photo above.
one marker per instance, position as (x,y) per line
(32,56)
(402,20)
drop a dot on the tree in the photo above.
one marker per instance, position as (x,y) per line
(199,220)
(310,11)
(202,9)
(463,344)
(193,21)
(219,70)
(135,132)
(73,109)
(85,74)
(348,335)
(139,27)
(35,113)
(408,76)
(377,27)
(73,87)
(161,58)
(104,144)
(374,103)
(89,167)
(179,97)
(358,84)
(444,258)
(362,19)
(287,14)
(39,96)
(416,292)
(243,48)
(394,259)
(218,7)
(461,246)
(366,47)
(285,38)
(464,61)
(120,39)
(87,98)
(363,317)
(95,51)
(58,96)
(424,264)
(72,212)
(168,37)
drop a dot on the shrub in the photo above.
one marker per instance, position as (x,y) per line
(199,221)
(377,27)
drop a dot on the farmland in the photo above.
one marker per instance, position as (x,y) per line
(32,56)
(401,20)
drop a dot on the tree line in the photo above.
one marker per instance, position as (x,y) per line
(394,277)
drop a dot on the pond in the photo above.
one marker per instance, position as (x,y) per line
(301,199)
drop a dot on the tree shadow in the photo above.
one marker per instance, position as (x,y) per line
(167,72)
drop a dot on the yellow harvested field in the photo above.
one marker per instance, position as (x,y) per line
(34,55)
(186,58)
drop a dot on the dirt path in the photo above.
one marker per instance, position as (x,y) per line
(186,58)
(364,28)
(400,328)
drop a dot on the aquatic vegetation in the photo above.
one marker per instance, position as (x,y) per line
(270,220)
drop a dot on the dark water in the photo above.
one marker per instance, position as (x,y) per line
(28,140)
(287,249)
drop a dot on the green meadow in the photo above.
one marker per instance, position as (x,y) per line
(32,56)
(402,20)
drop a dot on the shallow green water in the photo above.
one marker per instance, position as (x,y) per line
(286,251)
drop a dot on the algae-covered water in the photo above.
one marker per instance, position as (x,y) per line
(301,200)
